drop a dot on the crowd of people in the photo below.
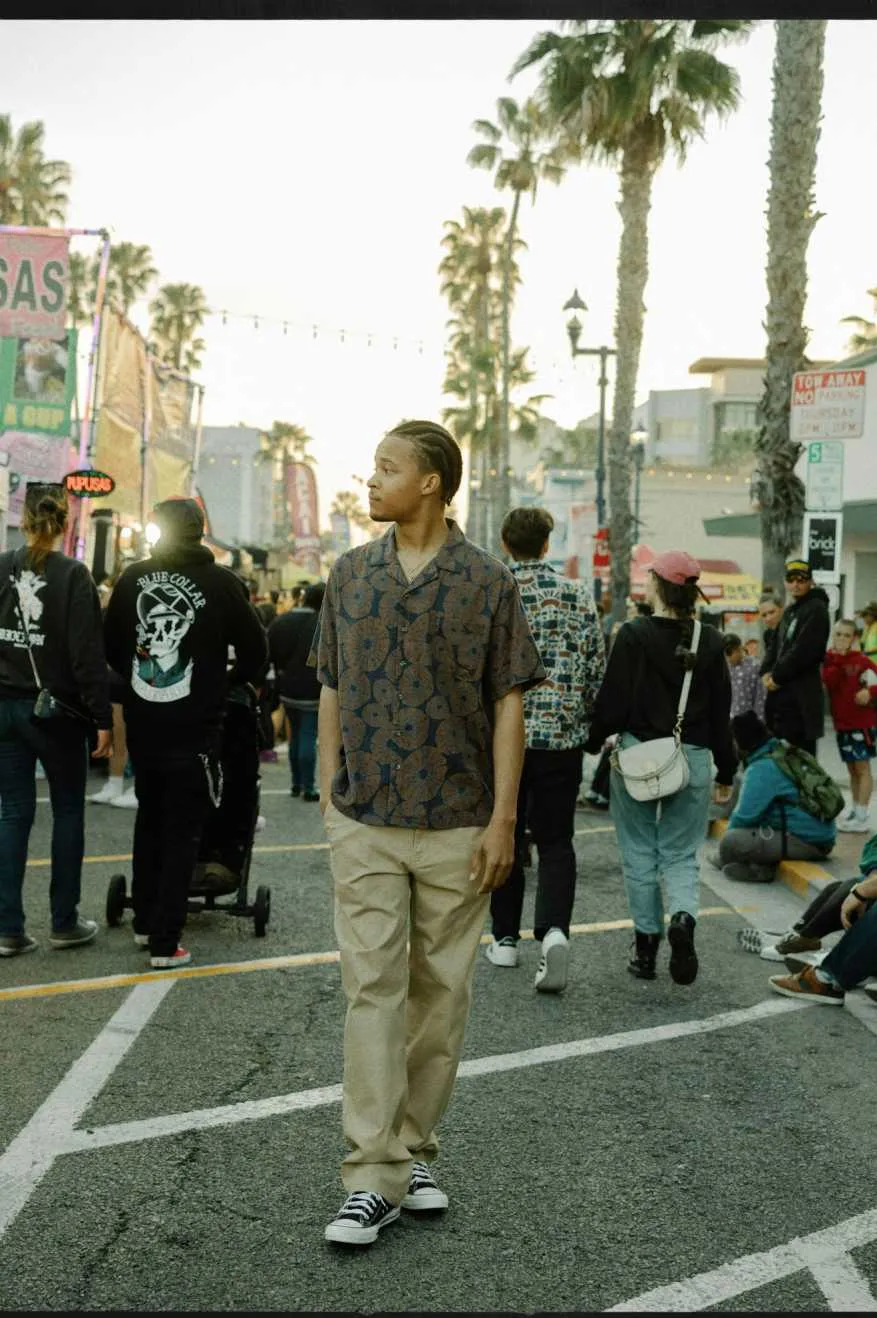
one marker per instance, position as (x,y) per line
(438,704)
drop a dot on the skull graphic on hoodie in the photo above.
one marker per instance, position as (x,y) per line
(165,612)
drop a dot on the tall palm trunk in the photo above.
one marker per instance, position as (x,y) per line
(488,488)
(797,101)
(503,486)
(633,271)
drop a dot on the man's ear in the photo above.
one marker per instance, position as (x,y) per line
(432,483)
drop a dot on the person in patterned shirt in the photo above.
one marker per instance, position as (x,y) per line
(564,620)
(423,653)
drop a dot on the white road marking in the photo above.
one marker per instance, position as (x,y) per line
(32,1152)
(129,1132)
(824,1253)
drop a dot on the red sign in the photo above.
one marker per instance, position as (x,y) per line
(301,491)
(828,405)
(33,286)
(88,484)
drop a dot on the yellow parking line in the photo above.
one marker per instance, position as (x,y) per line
(269,963)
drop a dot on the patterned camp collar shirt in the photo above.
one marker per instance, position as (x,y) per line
(418,666)
(565,626)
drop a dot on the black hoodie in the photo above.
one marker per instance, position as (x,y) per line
(169,626)
(643,682)
(802,639)
(64,624)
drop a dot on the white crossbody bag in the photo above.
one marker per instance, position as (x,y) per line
(654,769)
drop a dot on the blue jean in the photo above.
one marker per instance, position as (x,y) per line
(653,848)
(854,958)
(61,745)
(303,747)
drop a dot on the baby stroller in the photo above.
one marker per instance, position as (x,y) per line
(223,868)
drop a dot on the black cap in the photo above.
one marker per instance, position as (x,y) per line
(179,519)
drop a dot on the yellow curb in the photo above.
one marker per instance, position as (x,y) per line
(798,875)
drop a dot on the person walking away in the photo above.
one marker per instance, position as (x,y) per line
(54,704)
(568,635)
(169,626)
(639,700)
(849,676)
(289,644)
(774,818)
(795,705)
(423,653)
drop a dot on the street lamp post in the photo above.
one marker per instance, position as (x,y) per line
(638,440)
(574,330)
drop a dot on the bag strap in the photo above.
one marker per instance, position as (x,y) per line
(686,684)
(14,578)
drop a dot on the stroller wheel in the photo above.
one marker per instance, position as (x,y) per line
(117,900)
(261,910)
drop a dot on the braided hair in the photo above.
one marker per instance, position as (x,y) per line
(437,451)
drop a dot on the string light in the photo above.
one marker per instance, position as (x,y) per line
(371,338)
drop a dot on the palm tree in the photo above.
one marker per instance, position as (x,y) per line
(178,311)
(81,281)
(32,188)
(629,92)
(797,102)
(865,336)
(525,130)
(129,275)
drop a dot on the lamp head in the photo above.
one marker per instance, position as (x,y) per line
(639,436)
(574,330)
(575,303)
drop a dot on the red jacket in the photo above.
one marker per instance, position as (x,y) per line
(842,675)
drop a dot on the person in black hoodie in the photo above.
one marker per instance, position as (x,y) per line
(639,699)
(289,644)
(795,705)
(50,637)
(169,626)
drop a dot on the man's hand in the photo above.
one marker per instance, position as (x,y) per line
(721,793)
(851,910)
(768,681)
(863,697)
(104,748)
(493,857)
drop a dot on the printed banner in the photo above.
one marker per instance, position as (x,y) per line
(37,384)
(34,272)
(119,419)
(32,458)
(301,493)
(171,428)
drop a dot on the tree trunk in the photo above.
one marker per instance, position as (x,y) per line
(634,204)
(797,100)
(503,485)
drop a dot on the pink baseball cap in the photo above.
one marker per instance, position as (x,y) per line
(675,565)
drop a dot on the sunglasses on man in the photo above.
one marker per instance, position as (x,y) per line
(796,576)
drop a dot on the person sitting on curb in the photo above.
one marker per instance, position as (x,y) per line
(770,822)
(821,918)
(854,958)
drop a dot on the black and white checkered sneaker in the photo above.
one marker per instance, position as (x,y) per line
(360,1218)
(423,1194)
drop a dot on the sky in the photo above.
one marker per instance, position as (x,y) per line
(301,172)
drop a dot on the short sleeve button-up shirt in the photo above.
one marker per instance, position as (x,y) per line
(417,666)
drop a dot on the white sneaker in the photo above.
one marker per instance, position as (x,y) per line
(855,824)
(112,788)
(502,953)
(261,821)
(553,964)
(127,800)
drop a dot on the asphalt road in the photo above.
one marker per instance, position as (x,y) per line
(670,1134)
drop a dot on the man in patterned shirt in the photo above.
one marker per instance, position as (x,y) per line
(567,629)
(423,653)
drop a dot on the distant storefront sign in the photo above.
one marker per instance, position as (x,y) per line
(88,483)
(823,534)
(828,405)
(34,273)
(37,384)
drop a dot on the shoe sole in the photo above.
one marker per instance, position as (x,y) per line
(169,963)
(427,1201)
(556,970)
(824,1001)
(683,958)
(18,951)
(60,943)
(337,1234)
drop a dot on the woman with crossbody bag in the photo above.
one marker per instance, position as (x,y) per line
(666,694)
(53,695)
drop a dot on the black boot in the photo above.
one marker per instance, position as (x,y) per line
(683,958)
(643,951)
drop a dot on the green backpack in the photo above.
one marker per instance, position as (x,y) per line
(819,794)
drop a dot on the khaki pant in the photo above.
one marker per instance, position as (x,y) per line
(406,1005)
